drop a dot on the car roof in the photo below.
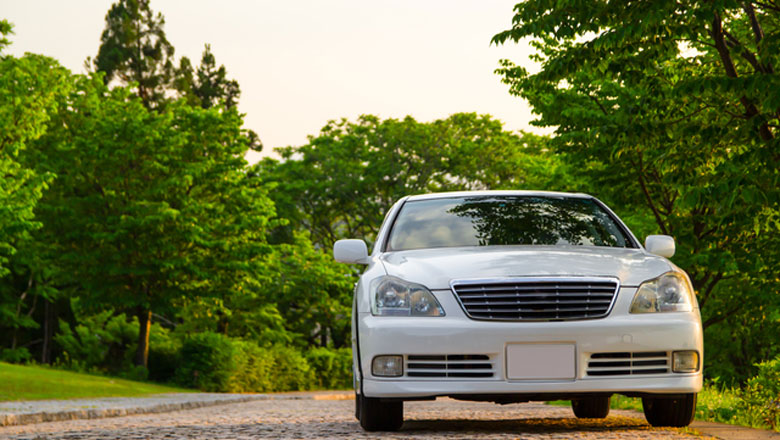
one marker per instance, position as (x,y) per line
(443,195)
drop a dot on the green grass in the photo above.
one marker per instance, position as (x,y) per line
(19,382)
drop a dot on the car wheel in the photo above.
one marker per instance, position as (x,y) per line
(670,411)
(591,408)
(376,415)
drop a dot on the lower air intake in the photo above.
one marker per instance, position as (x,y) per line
(450,366)
(628,363)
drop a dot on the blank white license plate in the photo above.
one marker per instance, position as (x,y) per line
(540,361)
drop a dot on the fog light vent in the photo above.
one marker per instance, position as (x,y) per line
(388,366)
(685,361)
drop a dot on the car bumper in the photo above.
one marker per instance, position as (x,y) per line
(456,335)
(679,383)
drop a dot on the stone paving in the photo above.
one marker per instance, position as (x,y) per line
(37,411)
(323,416)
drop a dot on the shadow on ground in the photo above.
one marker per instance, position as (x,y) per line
(530,426)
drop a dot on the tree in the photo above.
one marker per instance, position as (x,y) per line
(345,179)
(29,87)
(300,296)
(135,50)
(312,292)
(149,207)
(208,86)
(672,108)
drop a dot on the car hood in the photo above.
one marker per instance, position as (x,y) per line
(435,268)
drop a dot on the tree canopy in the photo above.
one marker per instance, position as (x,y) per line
(674,109)
(149,206)
(135,50)
(29,89)
(207,85)
(343,181)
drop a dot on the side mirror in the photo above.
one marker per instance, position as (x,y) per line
(662,245)
(350,251)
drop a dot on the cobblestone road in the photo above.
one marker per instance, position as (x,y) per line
(307,418)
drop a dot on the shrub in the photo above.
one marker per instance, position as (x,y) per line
(290,372)
(253,368)
(718,403)
(332,367)
(164,354)
(214,362)
(135,372)
(208,362)
(98,344)
(760,403)
(15,355)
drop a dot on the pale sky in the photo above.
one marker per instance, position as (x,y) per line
(302,63)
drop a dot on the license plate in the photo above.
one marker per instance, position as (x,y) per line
(540,361)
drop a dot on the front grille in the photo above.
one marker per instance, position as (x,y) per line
(451,365)
(546,299)
(626,363)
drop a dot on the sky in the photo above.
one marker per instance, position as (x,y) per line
(302,63)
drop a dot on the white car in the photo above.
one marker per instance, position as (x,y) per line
(515,296)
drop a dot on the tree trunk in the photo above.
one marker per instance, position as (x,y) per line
(144,325)
(47,333)
(222,324)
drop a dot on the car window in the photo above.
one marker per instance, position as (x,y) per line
(504,220)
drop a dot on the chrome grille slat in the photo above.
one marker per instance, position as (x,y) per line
(518,310)
(531,303)
(537,298)
(538,286)
(440,370)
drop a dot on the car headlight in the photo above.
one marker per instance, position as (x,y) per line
(391,296)
(671,292)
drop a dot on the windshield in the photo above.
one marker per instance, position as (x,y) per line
(504,220)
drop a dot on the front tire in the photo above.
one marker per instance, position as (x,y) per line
(591,408)
(376,415)
(670,411)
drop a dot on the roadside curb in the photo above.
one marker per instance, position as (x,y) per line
(7,419)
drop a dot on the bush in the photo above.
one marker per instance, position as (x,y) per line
(214,362)
(332,367)
(253,368)
(135,372)
(99,344)
(164,354)
(208,362)
(718,403)
(290,372)
(15,355)
(760,403)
